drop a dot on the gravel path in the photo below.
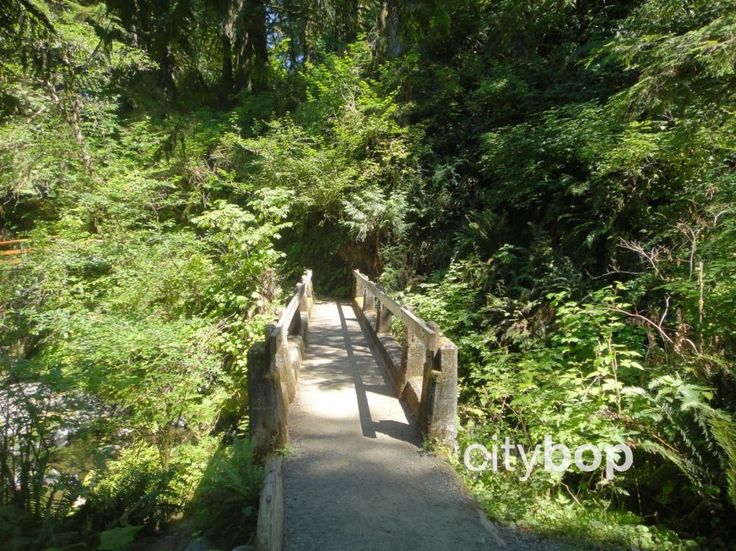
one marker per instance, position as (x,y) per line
(356,477)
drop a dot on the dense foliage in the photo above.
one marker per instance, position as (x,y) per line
(551,181)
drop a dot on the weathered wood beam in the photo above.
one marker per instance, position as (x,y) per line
(13,241)
(426,374)
(270,528)
(423,331)
(273,371)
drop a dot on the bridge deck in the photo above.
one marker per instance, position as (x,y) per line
(356,477)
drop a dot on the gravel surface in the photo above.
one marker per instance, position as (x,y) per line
(356,477)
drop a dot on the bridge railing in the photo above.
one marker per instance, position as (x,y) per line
(273,370)
(13,251)
(423,366)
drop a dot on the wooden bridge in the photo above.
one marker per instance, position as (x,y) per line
(351,391)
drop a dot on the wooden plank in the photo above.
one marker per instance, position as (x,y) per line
(287,314)
(266,408)
(13,252)
(307,278)
(270,529)
(415,324)
(438,411)
(13,241)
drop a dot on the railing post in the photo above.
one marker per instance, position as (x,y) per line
(413,358)
(282,359)
(304,301)
(266,408)
(304,326)
(296,324)
(383,320)
(438,408)
(273,370)
(369,302)
(310,295)
(357,291)
(424,373)
(305,294)
(405,345)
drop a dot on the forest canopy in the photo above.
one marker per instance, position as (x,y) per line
(552,181)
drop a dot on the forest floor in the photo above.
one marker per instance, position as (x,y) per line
(356,475)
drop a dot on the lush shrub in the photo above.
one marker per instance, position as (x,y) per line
(226,501)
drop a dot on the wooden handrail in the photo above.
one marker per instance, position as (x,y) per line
(273,370)
(422,367)
(13,256)
(13,241)
(287,314)
(428,336)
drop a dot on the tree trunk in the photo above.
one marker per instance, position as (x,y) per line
(251,47)
(167,70)
(347,25)
(227,65)
(227,32)
(390,44)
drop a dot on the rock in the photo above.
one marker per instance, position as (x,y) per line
(61,436)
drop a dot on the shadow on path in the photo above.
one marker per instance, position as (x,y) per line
(356,477)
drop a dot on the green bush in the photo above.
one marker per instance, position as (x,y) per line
(226,502)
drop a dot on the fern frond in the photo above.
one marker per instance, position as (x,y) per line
(724,432)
